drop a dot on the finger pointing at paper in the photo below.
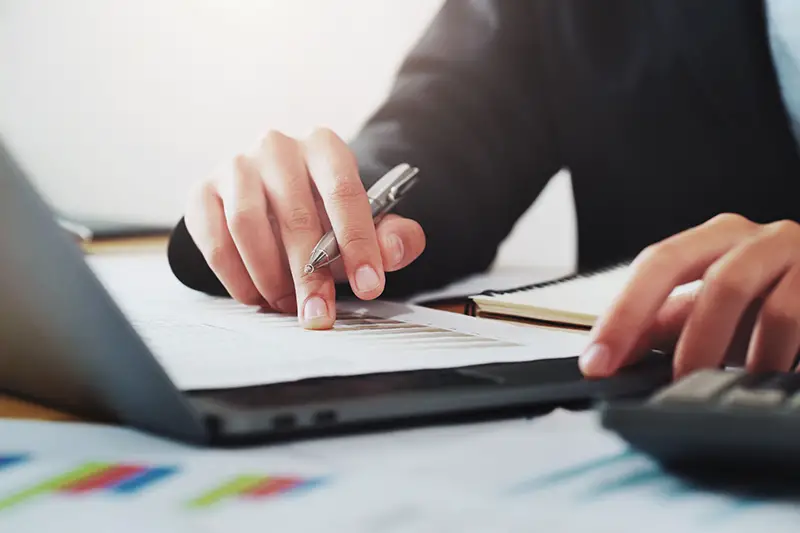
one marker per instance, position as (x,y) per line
(257,221)
(747,306)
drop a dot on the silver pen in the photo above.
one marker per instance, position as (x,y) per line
(383,196)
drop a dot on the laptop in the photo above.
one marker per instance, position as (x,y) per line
(65,343)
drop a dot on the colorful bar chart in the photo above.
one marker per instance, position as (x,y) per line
(92,478)
(252,487)
(131,478)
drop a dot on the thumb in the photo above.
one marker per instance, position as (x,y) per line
(401,241)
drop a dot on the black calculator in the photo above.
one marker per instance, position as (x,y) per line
(716,419)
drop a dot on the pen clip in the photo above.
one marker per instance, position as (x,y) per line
(404,182)
(388,190)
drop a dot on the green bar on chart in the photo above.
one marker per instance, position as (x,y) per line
(52,484)
(233,488)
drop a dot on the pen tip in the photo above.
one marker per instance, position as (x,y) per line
(308,269)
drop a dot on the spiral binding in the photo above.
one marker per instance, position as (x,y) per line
(471,307)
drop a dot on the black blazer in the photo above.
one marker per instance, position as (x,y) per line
(666,113)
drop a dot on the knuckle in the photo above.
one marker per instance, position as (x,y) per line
(240,161)
(322,133)
(202,191)
(217,256)
(298,219)
(788,228)
(658,255)
(241,168)
(352,240)
(733,220)
(294,183)
(272,138)
(243,218)
(647,254)
(725,284)
(345,190)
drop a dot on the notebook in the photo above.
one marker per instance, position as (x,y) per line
(576,300)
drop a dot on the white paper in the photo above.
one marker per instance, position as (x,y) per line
(205,342)
(557,472)
(566,473)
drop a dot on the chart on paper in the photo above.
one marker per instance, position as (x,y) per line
(86,479)
(121,482)
(205,342)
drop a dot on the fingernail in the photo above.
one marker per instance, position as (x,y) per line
(395,244)
(315,312)
(595,360)
(366,279)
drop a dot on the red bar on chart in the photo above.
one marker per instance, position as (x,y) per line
(108,477)
(272,486)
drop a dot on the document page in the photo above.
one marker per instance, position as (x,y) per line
(553,473)
(206,342)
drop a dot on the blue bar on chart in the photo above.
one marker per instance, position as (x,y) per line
(7,461)
(142,479)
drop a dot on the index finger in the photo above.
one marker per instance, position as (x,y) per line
(657,271)
(290,196)
(335,173)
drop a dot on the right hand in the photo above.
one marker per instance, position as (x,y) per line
(257,221)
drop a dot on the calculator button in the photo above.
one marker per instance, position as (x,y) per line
(753,397)
(699,386)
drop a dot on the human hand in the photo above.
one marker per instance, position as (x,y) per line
(746,309)
(257,221)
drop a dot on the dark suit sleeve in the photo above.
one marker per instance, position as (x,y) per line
(468,107)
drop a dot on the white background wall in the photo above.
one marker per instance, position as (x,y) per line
(115,107)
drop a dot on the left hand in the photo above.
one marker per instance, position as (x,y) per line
(746,309)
